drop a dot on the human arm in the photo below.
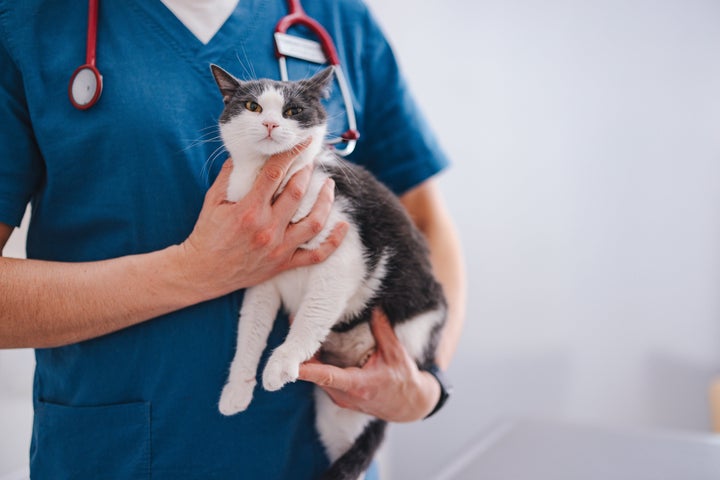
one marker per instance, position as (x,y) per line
(389,385)
(427,209)
(233,246)
(5,232)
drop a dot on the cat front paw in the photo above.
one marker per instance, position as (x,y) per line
(280,369)
(236,397)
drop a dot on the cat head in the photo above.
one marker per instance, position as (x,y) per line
(267,116)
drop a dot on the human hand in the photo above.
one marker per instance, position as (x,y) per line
(237,245)
(389,386)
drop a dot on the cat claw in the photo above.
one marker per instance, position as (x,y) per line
(278,372)
(236,397)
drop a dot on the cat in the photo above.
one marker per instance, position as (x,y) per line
(382,262)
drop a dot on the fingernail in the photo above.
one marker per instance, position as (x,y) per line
(330,184)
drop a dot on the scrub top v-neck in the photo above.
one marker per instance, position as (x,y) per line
(235,31)
(129,176)
(202,18)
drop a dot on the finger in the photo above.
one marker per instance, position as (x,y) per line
(218,190)
(327,376)
(388,344)
(313,223)
(314,359)
(289,200)
(304,258)
(341,399)
(273,172)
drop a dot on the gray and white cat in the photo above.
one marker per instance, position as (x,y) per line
(382,262)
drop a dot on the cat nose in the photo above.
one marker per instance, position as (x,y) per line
(270,126)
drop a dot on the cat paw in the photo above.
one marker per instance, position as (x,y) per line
(279,370)
(236,397)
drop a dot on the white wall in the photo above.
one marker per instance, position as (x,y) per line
(586,188)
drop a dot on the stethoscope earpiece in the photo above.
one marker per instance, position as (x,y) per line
(86,82)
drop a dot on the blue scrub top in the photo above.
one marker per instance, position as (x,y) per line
(129,176)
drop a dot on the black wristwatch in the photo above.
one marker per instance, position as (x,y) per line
(445,388)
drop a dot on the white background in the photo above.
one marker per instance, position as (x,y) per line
(585,137)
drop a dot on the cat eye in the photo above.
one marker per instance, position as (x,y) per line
(292,111)
(253,107)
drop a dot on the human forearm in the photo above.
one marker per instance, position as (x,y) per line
(233,246)
(447,262)
(47,304)
(427,209)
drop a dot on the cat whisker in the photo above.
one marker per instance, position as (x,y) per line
(197,143)
(222,148)
(210,162)
(335,116)
(349,174)
(249,73)
(209,127)
(212,135)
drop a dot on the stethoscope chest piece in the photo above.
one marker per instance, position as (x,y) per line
(85,87)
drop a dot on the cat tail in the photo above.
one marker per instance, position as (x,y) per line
(357,459)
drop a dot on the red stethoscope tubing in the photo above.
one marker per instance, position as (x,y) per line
(93,89)
(297,16)
(93,8)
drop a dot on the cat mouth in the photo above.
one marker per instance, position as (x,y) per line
(270,145)
(270,139)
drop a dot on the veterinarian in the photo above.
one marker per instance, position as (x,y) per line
(136,264)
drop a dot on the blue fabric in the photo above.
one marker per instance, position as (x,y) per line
(372,472)
(129,176)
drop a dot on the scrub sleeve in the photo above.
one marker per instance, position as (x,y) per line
(20,161)
(129,176)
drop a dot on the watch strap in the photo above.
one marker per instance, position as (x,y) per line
(445,388)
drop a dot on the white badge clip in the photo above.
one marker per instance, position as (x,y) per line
(296,47)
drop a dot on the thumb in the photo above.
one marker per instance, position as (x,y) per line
(218,190)
(388,344)
(326,375)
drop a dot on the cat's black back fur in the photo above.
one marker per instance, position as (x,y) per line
(409,287)
(359,457)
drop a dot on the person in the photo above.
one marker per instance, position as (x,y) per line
(136,263)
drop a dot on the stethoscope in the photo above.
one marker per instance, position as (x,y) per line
(323,52)
(86,81)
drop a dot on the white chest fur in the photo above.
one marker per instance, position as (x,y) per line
(346,265)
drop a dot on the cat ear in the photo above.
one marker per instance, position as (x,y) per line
(319,84)
(227,84)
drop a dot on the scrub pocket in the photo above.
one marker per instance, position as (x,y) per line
(104,442)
